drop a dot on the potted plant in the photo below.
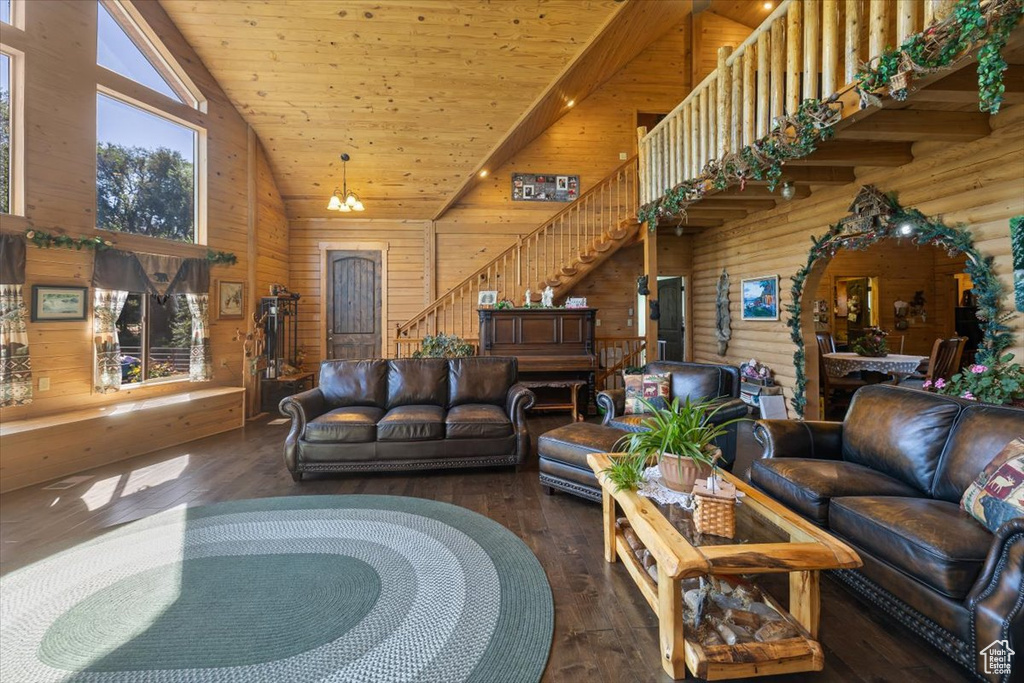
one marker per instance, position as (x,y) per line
(998,383)
(444,346)
(680,437)
(872,344)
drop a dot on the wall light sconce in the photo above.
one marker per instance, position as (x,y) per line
(788,190)
(344,200)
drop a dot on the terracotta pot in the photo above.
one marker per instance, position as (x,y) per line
(681,472)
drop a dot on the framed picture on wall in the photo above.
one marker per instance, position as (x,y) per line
(55,303)
(760,297)
(487,298)
(230,299)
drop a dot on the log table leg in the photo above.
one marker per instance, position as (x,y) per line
(609,525)
(804,600)
(670,626)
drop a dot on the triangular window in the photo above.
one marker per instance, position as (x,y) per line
(115,50)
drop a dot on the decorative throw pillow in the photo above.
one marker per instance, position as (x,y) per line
(997,495)
(634,385)
(657,389)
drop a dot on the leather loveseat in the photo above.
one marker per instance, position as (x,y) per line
(699,382)
(406,414)
(888,480)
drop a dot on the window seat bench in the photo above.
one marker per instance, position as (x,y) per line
(39,449)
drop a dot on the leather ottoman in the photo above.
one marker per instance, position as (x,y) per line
(563,457)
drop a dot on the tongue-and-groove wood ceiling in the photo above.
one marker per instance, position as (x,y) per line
(417,91)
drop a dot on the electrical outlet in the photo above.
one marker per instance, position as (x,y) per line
(629,311)
(623,156)
(44,384)
(597,322)
(629,322)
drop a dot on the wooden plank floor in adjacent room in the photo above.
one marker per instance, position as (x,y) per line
(604,631)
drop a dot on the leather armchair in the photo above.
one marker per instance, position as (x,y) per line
(698,381)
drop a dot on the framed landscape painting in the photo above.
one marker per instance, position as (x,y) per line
(760,298)
(230,300)
(55,303)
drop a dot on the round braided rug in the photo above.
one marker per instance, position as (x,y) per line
(310,588)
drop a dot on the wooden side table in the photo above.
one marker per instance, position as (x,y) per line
(273,390)
(573,385)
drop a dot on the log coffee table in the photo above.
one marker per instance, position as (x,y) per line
(769,539)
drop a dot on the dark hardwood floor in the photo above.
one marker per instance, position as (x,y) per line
(604,631)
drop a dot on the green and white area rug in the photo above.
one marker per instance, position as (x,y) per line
(304,589)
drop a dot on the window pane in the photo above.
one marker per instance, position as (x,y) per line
(130,336)
(5,133)
(5,11)
(116,51)
(145,172)
(170,336)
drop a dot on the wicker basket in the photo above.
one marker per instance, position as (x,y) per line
(715,511)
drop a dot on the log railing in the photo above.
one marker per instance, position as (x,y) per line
(534,261)
(615,354)
(805,49)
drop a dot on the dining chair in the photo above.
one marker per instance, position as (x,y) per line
(835,391)
(943,363)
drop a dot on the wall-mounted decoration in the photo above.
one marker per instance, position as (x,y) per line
(760,298)
(56,303)
(533,187)
(1017,250)
(487,298)
(576,302)
(723,319)
(230,300)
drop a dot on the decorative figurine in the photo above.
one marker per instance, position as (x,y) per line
(528,302)
(547,297)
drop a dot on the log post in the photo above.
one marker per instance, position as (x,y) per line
(852,51)
(778,67)
(878,34)
(794,31)
(651,269)
(908,20)
(763,84)
(812,49)
(723,91)
(736,98)
(830,46)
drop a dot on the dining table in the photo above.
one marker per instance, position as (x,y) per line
(899,365)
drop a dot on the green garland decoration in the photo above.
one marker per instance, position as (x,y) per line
(48,240)
(791,137)
(997,335)
(940,46)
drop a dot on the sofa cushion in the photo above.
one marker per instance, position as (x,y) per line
(933,541)
(417,381)
(980,433)
(412,423)
(899,432)
(355,424)
(998,494)
(477,421)
(573,442)
(806,485)
(354,383)
(480,380)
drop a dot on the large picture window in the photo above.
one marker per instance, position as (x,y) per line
(155,338)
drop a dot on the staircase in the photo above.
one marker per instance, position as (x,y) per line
(558,254)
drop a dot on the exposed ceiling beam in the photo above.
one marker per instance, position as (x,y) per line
(819,175)
(624,35)
(902,125)
(857,153)
(962,87)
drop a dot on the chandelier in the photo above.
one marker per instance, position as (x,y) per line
(344,200)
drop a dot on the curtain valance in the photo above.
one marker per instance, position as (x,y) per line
(153,273)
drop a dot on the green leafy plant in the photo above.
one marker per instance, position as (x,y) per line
(872,344)
(444,346)
(683,428)
(999,383)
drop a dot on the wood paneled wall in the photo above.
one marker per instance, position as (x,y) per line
(977,184)
(710,32)
(61,78)
(903,268)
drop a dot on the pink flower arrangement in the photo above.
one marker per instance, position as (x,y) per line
(968,395)
(978,369)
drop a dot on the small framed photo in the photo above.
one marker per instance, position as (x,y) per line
(487,298)
(576,302)
(230,299)
(528,191)
(760,297)
(562,182)
(54,303)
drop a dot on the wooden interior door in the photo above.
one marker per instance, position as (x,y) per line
(670,325)
(353,304)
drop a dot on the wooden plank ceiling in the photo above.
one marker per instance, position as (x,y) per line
(417,91)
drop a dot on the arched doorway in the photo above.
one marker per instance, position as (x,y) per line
(877,218)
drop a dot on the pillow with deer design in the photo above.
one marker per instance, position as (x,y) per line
(997,495)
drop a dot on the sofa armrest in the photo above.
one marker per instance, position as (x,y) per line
(796,439)
(613,402)
(518,400)
(301,408)
(996,602)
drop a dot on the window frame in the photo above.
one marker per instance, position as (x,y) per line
(147,301)
(132,93)
(17,15)
(16,182)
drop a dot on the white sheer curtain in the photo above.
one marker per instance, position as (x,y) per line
(200,360)
(107,305)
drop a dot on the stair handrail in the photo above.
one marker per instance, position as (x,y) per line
(441,300)
(627,360)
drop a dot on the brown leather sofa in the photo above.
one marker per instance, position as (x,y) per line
(407,414)
(563,451)
(888,480)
